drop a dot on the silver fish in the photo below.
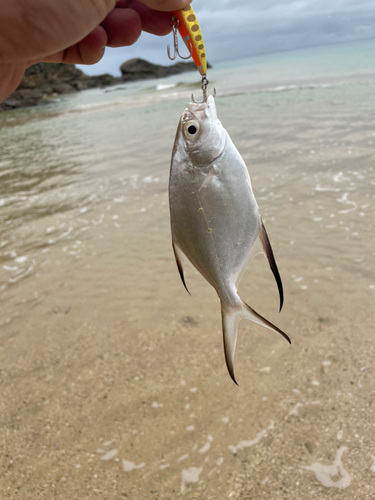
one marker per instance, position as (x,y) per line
(215,219)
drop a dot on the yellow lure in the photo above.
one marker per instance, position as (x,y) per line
(191,34)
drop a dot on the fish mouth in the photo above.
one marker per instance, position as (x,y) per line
(200,106)
(194,111)
(192,106)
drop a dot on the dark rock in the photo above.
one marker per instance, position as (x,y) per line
(82,85)
(42,73)
(22,98)
(103,80)
(63,88)
(10,103)
(139,69)
(44,81)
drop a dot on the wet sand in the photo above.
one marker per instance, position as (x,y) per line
(113,379)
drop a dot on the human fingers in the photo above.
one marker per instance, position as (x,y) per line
(31,29)
(10,77)
(166,5)
(153,21)
(123,27)
(88,51)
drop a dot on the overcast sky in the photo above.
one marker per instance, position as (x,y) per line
(233,29)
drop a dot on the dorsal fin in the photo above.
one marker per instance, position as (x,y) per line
(176,252)
(271,260)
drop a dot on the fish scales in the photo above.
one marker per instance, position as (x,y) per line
(202,217)
(215,219)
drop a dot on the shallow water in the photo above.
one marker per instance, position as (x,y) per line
(113,378)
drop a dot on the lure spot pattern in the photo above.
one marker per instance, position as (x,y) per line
(191,34)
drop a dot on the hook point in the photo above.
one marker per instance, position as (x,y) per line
(169,53)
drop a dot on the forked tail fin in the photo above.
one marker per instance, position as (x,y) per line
(231,317)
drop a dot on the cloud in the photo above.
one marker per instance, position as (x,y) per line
(235,29)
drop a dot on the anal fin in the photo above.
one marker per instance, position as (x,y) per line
(272,262)
(176,252)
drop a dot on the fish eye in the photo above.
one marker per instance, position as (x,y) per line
(191,129)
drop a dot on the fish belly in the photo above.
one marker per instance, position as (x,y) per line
(215,218)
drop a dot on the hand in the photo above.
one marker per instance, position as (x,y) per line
(72,31)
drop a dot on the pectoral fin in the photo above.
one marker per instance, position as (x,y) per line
(177,255)
(271,260)
(208,177)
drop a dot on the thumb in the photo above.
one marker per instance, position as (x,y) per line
(32,29)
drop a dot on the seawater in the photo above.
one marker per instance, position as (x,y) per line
(98,157)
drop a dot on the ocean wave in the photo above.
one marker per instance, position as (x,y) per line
(165,86)
(283,88)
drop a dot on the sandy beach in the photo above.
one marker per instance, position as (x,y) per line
(113,379)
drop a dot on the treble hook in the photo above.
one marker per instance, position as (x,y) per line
(175,22)
(204,90)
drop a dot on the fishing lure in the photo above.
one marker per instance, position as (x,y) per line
(186,23)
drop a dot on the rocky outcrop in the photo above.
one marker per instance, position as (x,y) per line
(45,81)
(139,69)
